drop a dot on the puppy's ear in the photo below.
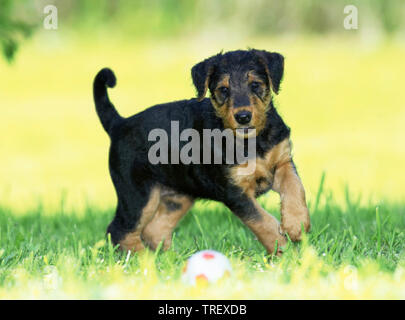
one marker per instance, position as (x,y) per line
(201,73)
(274,64)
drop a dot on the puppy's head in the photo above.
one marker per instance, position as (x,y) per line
(240,83)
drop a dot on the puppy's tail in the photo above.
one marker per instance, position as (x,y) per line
(105,109)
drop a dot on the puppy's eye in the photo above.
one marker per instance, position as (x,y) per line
(224,91)
(255,86)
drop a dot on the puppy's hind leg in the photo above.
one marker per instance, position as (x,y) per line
(171,209)
(136,207)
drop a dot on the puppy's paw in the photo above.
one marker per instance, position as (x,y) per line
(292,225)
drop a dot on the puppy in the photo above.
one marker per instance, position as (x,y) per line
(154,195)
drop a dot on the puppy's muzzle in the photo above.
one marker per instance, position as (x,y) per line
(243,117)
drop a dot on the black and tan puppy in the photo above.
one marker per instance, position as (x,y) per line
(152,198)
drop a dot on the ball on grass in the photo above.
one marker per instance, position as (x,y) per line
(207,266)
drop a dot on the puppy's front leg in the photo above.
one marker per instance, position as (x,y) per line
(294,211)
(263,225)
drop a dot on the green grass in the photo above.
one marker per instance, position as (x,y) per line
(67,255)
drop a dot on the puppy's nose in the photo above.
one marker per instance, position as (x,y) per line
(243,117)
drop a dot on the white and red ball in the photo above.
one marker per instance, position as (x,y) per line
(206,266)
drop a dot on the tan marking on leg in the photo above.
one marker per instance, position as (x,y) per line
(267,230)
(276,168)
(132,241)
(165,220)
(264,168)
(294,211)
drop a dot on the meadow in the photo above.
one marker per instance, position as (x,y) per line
(343,99)
(357,253)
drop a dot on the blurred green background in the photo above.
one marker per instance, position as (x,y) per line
(342,93)
(173,18)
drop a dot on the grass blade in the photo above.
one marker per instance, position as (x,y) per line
(320,191)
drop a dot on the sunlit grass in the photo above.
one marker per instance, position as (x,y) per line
(350,254)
